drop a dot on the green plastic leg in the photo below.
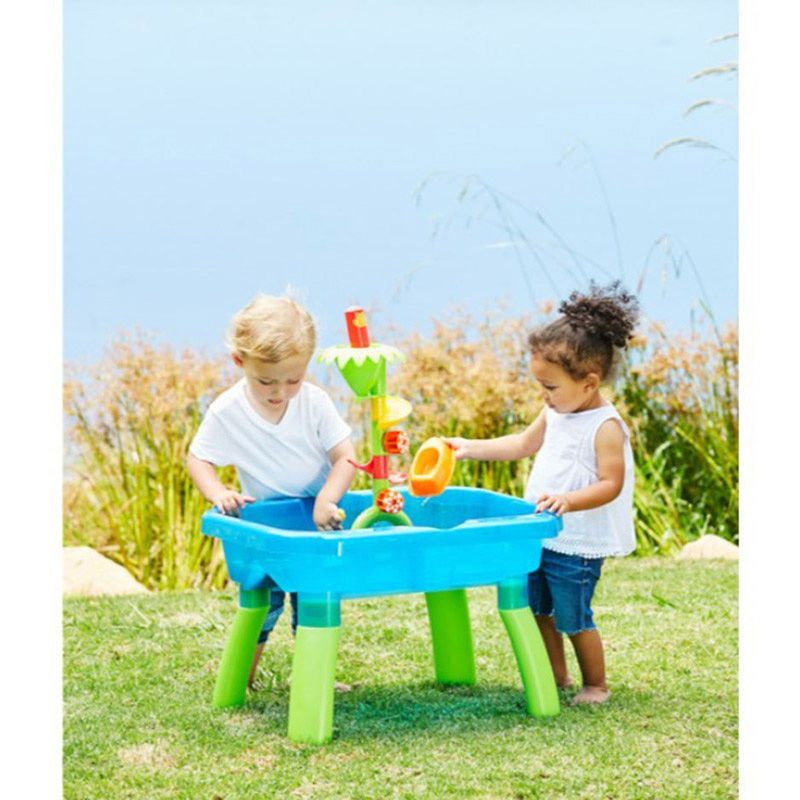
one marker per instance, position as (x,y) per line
(311,696)
(234,669)
(541,694)
(453,656)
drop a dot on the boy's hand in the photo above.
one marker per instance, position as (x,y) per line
(554,503)
(229,502)
(327,515)
(461,447)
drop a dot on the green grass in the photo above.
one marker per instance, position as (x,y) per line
(139,673)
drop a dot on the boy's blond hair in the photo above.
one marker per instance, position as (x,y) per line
(272,329)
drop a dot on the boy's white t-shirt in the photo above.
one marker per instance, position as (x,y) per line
(284,459)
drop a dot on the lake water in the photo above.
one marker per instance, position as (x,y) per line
(215,149)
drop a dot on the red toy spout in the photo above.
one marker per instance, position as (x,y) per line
(377,467)
(356,327)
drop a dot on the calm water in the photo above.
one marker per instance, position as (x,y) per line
(215,149)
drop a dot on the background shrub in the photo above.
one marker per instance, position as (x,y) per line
(130,419)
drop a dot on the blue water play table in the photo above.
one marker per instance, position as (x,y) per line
(461,538)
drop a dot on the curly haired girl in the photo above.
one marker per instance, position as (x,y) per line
(583,471)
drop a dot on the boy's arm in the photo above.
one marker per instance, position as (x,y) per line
(326,512)
(610,451)
(205,478)
(503,448)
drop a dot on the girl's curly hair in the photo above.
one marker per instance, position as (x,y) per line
(591,332)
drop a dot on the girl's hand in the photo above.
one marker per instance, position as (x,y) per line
(229,502)
(461,447)
(554,503)
(327,515)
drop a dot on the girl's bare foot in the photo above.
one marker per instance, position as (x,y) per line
(567,683)
(591,694)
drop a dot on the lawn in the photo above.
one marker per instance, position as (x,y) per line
(139,674)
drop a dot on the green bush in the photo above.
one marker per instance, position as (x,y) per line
(681,397)
(131,417)
(130,420)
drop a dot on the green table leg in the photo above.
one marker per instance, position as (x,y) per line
(237,657)
(541,694)
(313,669)
(453,656)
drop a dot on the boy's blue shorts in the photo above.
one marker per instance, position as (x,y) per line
(277,598)
(562,587)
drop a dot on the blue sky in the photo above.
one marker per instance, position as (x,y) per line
(213,150)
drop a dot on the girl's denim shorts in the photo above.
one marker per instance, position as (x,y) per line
(562,588)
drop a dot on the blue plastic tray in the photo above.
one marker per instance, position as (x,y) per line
(463,537)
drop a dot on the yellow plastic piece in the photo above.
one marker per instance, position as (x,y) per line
(389,411)
(432,468)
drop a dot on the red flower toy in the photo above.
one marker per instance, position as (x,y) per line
(389,501)
(395,442)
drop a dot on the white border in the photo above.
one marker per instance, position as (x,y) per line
(30,400)
(769,313)
(30,210)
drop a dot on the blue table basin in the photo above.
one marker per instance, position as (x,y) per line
(463,537)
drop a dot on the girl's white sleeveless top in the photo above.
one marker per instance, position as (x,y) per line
(567,461)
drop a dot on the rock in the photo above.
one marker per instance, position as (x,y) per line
(88,573)
(710,546)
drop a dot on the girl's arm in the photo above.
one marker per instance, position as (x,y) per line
(503,448)
(326,512)
(205,478)
(610,451)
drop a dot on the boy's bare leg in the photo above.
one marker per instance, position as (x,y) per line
(554,644)
(254,665)
(589,651)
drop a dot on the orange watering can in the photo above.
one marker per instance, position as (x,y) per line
(432,468)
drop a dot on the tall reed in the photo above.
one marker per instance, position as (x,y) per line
(681,395)
(131,417)
(130,420)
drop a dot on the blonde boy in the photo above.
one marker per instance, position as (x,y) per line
(283,435)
